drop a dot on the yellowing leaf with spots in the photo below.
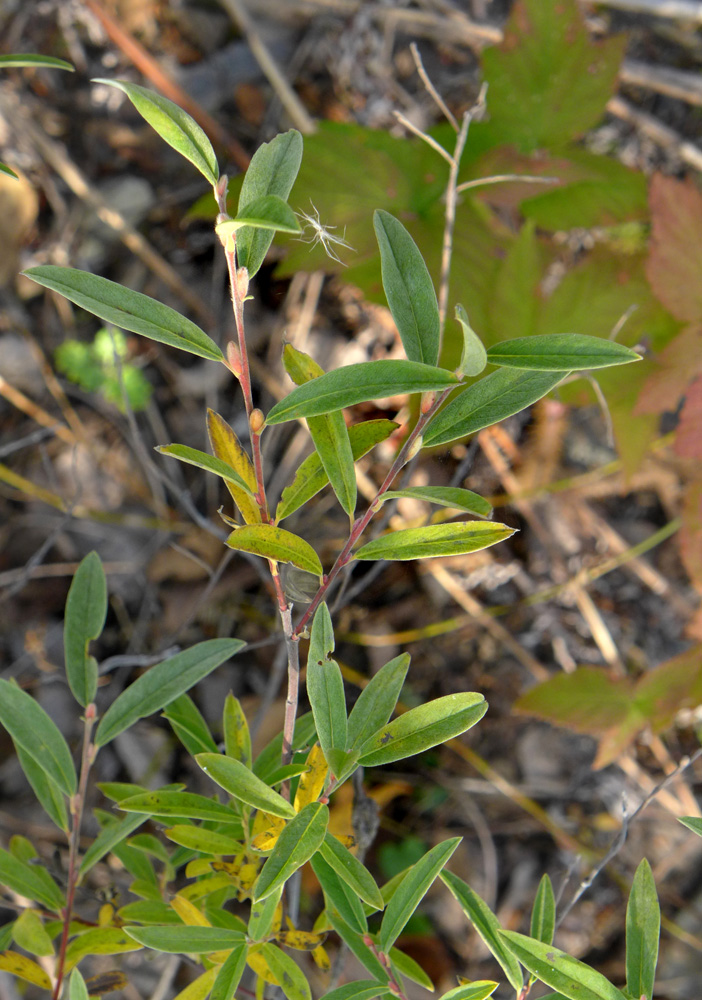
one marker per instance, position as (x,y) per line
(200,987)
(226,445)
(312,780)
(24,968)
(257,962)
(301,940)
(266,830)
(321,959)
(189,913)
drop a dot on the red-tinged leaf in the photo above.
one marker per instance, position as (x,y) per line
(674,685)
(435,540)
(675,259)
(677,363)
(227,447)
(688,438)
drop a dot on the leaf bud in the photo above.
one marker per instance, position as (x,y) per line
(428,400)
(234,359)
(415,447)
(257,421)
(242,283)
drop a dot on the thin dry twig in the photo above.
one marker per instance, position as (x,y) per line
(682,10)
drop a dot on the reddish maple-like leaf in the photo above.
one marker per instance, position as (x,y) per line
(688,439)
(675,262)
(677,364)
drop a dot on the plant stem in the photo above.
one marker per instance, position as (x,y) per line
(77,805)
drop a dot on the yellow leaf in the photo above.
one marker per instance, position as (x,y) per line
(257,962)
(312,780)
(248,874)
(107,912)
(213,883)
(301,940)
(200,987)
(24,968)
(321,959)
(226,445)
(266,830)
(189,913)
(196,867)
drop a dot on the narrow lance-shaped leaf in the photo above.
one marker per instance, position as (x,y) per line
(237,738)
(351,871)
(560,352)
(197,838)
(189,726)
(174,125)
(358,384)
(50,796)
(692,823)
(162,684)
(487,925)
(235,778)
(263,915)
(77,990)
(227,447)
(108,838)
(296,844)
(186,940)
(562,972)
(289,976)
(408,288)
(325,685)
(30,59)
(269,212)
(474,355)
(446,496)
(29,933)
(24,968)
(543,914)
(32,730)
(4,169)
(270,542)
(209,463)
(481,989)
(30,881)
(339,894)
(362,989)
(86,608)
(412,890)
(180,805)
(498,395)
(435,540)
(377,701)
(358,947)
(643,929)
(423,727)
(126,309)
(229,974)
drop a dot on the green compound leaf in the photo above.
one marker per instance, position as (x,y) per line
(52,799)
(339,895)
(186,805)
(30,881)
(311,476)
(209,463)
(21,59)
(352,873)
(186,940)
(435,540)
(268,212)
(126,309)
(487,926)
(272,171)
(32,730)
(296,844)
(376,702)
(174,126)
(543,914)
(230,973)
(241,783)
(359,384)
(488,401)
(423,727)
(86,608)
(325,685)
(189,726)
(162,684)
(270,542)
(560,352)
(362,989)
(643,930)
(446,496)
(408,289)
(473,354)
(412,890)
(108,838)
(196,838)
(571,978)
(291,979)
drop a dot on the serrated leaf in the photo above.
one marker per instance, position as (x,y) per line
(288,974)
(241,783)
(174,125)
(473,354)
(351,871)
(560,971)
(325,685)
(543,914)
(189,726)
(358,383)
(643,930)
(362,989)
(227,447)
(296,844)
(187,805)
(237,738)
(24,968)
(31,59)
(560,352)
(498,395)
(29,933)
(108,838)
(32,730)
(162,684)
(229,974)
(275,543)
(409,289)
(446,496)
(311,476)
(183,940)
(435,540)
(412,890)
(487,926)
(99,941)
(272,171)
(126,309)
(52,799)
(205,841)
(86,608)
(201,460)
(423,727)
(376,702)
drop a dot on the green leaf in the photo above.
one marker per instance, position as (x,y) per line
(86,608)
(479,990)
(560,971)
(270,542)
(296,844)
(408,288)
(174,126)
(108,838)
(146,911)
(204,841)
(311,476)
(268,212)
(560,352)
(362,989)
(180,804)
(473,355)
(186,940)
(4,169)
(446,496)
(29,933)
(488,401)
(99,941)
(376,702)
(32,730)
(338,894)
(412,890)
(291,979)
(692,823)
(543,914)
(487,926)
(643,930)
(272,171)
(162,684)
(262,916)
(237,738)
(189,726)
(126,309)
(46,790)
(268,761)
(356,944)
(435,540)
(358,384)
(241,783)
(325,685)
(351,871)
(21,59)
(406,966)
(201,460)
(77,990)
(230,973)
